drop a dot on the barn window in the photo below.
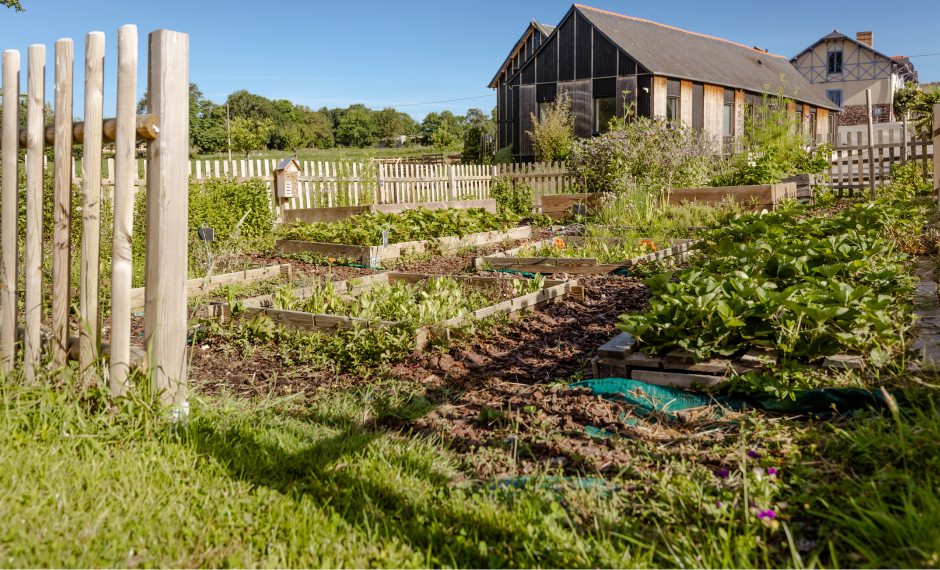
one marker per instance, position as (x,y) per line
(672,108)
(835,61)
(605,109)
(727,126)
(543,109)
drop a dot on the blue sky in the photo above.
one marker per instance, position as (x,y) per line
(411,54)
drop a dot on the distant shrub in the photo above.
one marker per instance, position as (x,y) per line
(553,131)
(644,152)
(504,156)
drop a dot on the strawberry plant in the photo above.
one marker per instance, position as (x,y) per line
(804,287)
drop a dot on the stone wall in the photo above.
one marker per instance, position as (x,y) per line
(856,114)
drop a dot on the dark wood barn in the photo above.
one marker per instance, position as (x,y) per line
(596,56)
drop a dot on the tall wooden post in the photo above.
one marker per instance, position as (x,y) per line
(935,138)
(904,139)
(62,210)
(89,333)
(35,143)
(9,203)
(871,147)
(125,171)
(167,217)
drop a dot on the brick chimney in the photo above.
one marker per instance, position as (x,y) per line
(864,38)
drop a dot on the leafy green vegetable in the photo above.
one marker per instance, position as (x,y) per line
(409,225)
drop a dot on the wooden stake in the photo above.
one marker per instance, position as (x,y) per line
(125,168)
(89,333)
(9,204)
(168,217)
(936,138)
(871,149)
(36,90)
(904,139)
(62,209)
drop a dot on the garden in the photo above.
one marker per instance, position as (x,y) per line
(645,382)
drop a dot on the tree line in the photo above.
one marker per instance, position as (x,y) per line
(253,121)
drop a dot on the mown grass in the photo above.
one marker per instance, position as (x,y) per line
(317,481)
(332,154)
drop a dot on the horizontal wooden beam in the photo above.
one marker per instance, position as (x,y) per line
(138,356)
(147,129)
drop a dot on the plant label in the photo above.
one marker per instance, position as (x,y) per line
(205,233)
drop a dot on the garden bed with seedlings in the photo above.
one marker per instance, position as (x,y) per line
(583,254)
(427,305)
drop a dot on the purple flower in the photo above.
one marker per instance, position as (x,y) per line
(754,455)
(722,474)
(768,514)
(772,471)
(719,503)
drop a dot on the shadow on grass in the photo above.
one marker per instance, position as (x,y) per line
(402,495)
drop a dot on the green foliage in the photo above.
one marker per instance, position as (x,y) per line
(553,131)
(221,202)
(907,181)
(776,146)
(512,200)
(804,288)
(503,155)
(357,128)
(905,97)
(15,4)
(249,134)
(922,110)
(409,225)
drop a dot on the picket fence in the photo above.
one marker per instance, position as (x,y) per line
(328,184)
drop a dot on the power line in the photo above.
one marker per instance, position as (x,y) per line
(923,55)
(433,102)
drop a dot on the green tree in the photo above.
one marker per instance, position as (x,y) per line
(249,134)
(15,4)
(389,125)
(922,110)
(357,128)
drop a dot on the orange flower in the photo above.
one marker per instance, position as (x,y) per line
(331,259)
(650,243)
(559,243)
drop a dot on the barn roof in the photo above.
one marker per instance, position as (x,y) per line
(677,53)
(541,28)
(681,54)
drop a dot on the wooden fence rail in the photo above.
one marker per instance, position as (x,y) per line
(166,131)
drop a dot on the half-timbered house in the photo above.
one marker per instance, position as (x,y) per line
(608,62)
(846,68)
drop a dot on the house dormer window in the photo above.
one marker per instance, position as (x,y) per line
(835,61)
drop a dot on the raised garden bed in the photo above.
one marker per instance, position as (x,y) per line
(508,260)
(757,197)
(335,214)
(619,358)
(204,285)
(558,206)
(373,255)
(551,291)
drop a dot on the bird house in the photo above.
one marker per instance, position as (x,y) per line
(287,175)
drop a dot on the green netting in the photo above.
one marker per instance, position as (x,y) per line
(646,398)
(523,273)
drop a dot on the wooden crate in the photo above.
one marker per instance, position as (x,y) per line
(804,185)
(552,292)
(372,255)
(508,260)
(767,196)
(335,214)
(619,358)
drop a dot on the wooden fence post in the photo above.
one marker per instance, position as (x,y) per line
(871,149)
(89,329)
(936,138)
(35,142)
(125,171)
(168,218)
(9,200)
(904,140)
(451,188)
(62,210)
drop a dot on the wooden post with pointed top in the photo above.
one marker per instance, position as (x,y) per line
(871,150)
(62,207)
